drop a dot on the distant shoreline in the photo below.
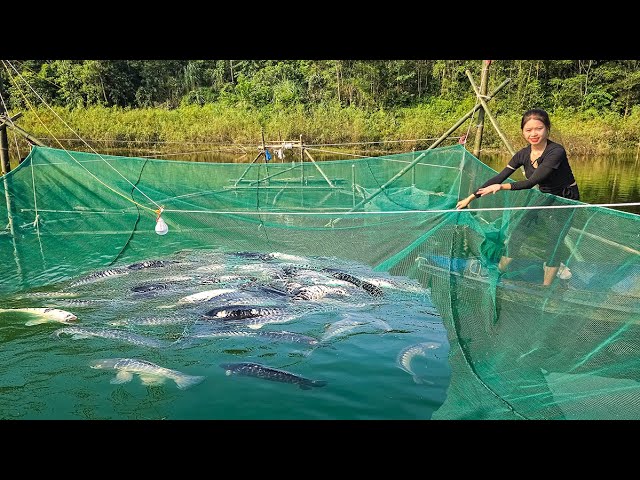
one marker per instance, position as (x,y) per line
(345,129)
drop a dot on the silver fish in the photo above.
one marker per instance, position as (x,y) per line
(44,315)
(78,333)
(289,337)
(287,258)
(150,373)
(76,302)
(316,292)
(251,369)
(393,284)
(205,296)
(101,275)
(283,335)
(49,295)
(151,321)
(340,327)
(210,268)
(406,356)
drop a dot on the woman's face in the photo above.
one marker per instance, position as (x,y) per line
(535,132)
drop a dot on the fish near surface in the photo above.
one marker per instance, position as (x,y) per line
(206,295)
(150,264)
(251,316)
(257,370)
(150,373)
(44,315)
(99,276)
(78,333)
(406,356)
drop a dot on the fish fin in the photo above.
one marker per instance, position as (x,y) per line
(304,386)
(122,377)
(151,380)
(318,383)
(187,381)
(36,321)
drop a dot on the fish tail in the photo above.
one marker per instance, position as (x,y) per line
(422,381)
(187,381)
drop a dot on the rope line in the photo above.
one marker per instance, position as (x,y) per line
(252,146)
(388,212)
(337,153)
(380,141)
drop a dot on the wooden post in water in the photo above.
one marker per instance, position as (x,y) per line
(264,151)
(484,81)
(301,161)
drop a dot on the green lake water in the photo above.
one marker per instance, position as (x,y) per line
(47,371)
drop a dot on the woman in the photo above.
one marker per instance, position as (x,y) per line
(545,164)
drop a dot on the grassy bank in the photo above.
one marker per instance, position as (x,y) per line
(172,130)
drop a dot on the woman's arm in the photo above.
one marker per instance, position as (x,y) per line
(497,179)
(541,173)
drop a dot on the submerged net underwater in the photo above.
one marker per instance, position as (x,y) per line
(346,289)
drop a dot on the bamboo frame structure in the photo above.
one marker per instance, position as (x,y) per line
(286,144)
(404,170)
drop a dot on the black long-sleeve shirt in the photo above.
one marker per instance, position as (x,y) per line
(552,175)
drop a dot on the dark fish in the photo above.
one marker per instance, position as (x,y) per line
(101,275)
(252,255)
(239,312)
(149,287)
(149,264)
(261,371)
(293,269)
(347,277)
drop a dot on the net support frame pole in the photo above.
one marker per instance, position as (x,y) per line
(489,115)
(318,167)
(484,81)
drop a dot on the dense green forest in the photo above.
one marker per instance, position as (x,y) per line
(594,103)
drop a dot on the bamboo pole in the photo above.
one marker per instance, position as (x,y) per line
(31,139)
(484,80)
(301,162)
(419,157)
(607,241)
(319,169)
(488,114)
(4,151)
(10,120)
(5,163)
(273,175)
(247,169)
(264,149)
